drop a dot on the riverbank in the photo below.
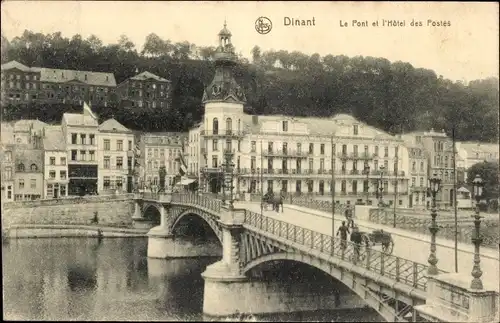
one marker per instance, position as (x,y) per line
(65,231)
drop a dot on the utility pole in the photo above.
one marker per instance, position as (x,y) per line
(332,189)
(261,177)
(455,197)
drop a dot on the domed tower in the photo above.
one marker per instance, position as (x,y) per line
(224,100)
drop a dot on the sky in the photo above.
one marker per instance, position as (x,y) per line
(465,50)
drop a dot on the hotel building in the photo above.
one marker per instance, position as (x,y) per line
(290,154)
(145,90)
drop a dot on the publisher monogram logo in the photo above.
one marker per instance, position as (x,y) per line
(263,25)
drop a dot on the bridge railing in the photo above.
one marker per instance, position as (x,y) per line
(399,269)
(200,200)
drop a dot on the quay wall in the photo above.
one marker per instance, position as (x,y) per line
(114,210)
(64,231)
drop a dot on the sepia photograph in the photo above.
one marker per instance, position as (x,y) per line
(250,161)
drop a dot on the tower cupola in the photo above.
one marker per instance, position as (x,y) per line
(223,87)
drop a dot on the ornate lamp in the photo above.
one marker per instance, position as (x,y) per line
(477,239)
(434,184)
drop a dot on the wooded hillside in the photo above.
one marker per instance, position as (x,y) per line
(391,96)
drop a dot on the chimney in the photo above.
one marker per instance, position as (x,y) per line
(255,119)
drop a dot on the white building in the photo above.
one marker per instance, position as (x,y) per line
(116,157)
(80,132)
(476,152)
(55,162)
(294,155)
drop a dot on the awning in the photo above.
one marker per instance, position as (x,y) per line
(186,181)
(463,190)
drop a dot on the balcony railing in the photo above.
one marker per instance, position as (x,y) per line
(353,155)
(222,133)
(388,173)
(284,153)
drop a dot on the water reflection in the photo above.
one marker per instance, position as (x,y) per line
(111,279)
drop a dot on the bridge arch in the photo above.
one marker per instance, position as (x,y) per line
(207,218)
(151,211)
(371,298)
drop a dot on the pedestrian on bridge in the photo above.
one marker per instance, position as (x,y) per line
(356,239)
(348,216)
(343,230)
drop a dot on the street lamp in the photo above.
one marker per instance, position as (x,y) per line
(477,239)
(381,187)
(434,184)
(367,171)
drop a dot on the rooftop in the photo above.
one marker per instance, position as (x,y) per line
(148,75)
(76,119)
(111,125)
(53,138)
(27,125)
(27,156)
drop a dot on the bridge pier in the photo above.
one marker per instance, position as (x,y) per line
(138,220)
(160,237)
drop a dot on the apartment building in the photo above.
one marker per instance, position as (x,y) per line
(160,150)
(80,132)
(476,152)
(28,177)
(418,168)
(145,90)
(7,164)
(55,162)
(22,84)
(116,157)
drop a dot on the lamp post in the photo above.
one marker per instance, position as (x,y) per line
(477,239)
(367,171)
(434,185)
(381,187)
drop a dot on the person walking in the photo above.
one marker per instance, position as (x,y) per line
(343,230)
(356,240)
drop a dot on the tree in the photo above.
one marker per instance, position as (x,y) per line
(125,43)
(488,172)
(162,173)
(256,53)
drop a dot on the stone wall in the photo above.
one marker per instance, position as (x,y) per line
(111,210)
(420,224)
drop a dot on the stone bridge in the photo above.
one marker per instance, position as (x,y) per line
(398,289)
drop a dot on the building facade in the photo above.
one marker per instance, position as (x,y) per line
(81,135)
(418,167)
(23,84)
(476,152)
(145,90)
(28,177)
(8,164)
(55,163)
(289,154)
(116,157)
(160,150)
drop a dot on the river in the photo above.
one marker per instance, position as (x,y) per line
(112,279)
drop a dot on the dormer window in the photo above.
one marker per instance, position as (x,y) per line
(85,77)
(285,126)
(356,130)
(20,167)
(107,78)
(62,74)
(34,168)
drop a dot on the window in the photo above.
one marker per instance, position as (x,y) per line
(83,139)
(83,155)
(270,147)
(34,167)
(52,174)
(355,150)
(73,138)
(252,162)
(386,151)
(311,148)
(386,165)
(21,184)
(63,161)
(8,156)
(322,149)
(355,128)
(92,155)
(229,125)
(107,145)
(299,148)
(365,186)
(92,139)
(253,146)
(8,173)
(285,125)
(107,182)
(322,164)
(214,161)
(413,166)
(343,186)
(119,162)
(376,150)
(311,164)
(215,146)
(49,190)
(107,162)
(269,163)
(413,180)
(215,126)
(119,145)
(130,145)
(52,160)
(285,148)
(355,186)
(62,174)
(162,153)
(344,149)
(33,183)
(73,154)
